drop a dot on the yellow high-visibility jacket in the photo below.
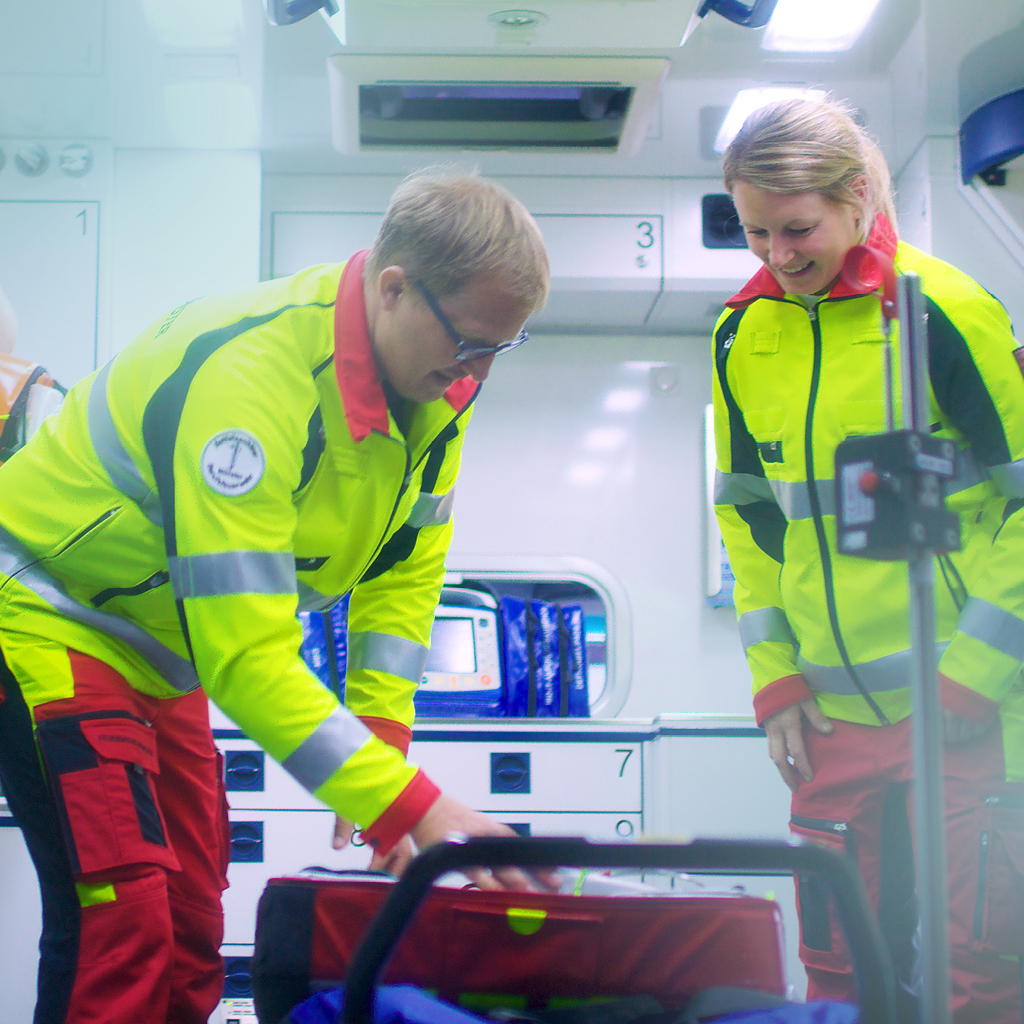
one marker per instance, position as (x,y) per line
(235,463)
(792,382)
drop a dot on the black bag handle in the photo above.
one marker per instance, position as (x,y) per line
(871,963)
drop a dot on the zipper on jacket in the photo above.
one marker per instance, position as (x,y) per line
(81,533)
(406,479)
(819,525)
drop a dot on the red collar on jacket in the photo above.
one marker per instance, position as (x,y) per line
(763,284)
(366,408)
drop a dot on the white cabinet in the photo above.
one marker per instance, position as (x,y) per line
(544,777)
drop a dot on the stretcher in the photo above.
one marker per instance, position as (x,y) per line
(471,946)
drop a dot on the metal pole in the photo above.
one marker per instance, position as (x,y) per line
(926,720)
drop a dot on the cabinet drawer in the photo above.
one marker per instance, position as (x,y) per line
(277,843)
(555,776)
(271,789)
(597,826)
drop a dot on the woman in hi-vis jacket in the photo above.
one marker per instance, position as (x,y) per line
(246,457)
(798,369)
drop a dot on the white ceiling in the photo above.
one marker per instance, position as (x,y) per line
(95,69)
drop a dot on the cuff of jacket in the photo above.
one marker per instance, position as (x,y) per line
(965,702)
(779,695)
(404,813)
(393,733)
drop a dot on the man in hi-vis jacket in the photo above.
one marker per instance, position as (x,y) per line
(246,457)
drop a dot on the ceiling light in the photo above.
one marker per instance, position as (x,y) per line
(811,26)
(624,399)
(587,473)
(604,439)
(749,100)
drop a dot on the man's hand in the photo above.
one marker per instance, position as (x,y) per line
(394,862)
(447,818)
(444,819)
(786,740)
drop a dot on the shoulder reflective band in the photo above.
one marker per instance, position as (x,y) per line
(993,626)
(384,652)
(233,572)
(1010,478)
(765,624)
(17,561)
(326,749)
(106,442)
(889,673)
(431,509)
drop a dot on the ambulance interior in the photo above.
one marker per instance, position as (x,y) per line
(156,150)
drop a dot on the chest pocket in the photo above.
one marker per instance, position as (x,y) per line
(860,418)
(767,426)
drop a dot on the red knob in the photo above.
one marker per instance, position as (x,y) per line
(869,482)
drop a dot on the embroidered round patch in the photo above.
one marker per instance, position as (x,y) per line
(233,462)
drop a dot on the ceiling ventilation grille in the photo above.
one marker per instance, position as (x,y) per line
(579,104)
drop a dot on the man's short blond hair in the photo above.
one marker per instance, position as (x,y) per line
(447,225)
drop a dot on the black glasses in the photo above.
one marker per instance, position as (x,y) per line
(465,350)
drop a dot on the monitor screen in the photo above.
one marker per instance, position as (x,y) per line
(452,648)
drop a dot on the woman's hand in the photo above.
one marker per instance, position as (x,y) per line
(786,740)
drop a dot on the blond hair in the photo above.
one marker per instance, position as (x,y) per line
(812,146)
(446,225)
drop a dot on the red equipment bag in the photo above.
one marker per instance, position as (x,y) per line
(529,948)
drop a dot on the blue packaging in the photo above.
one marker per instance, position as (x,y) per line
(574,698)
(325,645)
(544,659)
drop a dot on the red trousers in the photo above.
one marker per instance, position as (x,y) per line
(860,802)
(126,823)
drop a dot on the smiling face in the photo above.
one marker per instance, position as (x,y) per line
(801,237)
(414,351)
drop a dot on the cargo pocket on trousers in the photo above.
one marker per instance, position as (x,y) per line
(99,765)
(999,906)
(822,944)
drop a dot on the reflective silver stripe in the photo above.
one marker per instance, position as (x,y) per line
(740,489)
(889,673)
(326,749)
(385,652)
(233,572)
(969,472)
(1009,477)
(311,600)
(765,624)
(16,560)
(431,509)
(993,626)
(106,442)
(794,498)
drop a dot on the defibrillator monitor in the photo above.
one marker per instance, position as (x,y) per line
(464,652)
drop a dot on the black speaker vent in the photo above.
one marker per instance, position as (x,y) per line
(720,223)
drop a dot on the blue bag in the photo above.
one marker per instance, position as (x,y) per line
(544,659)
(392,1004)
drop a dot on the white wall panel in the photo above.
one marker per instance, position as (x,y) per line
(186,224)
(592,447)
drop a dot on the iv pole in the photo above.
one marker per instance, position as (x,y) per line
(906,485)
(926,720)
